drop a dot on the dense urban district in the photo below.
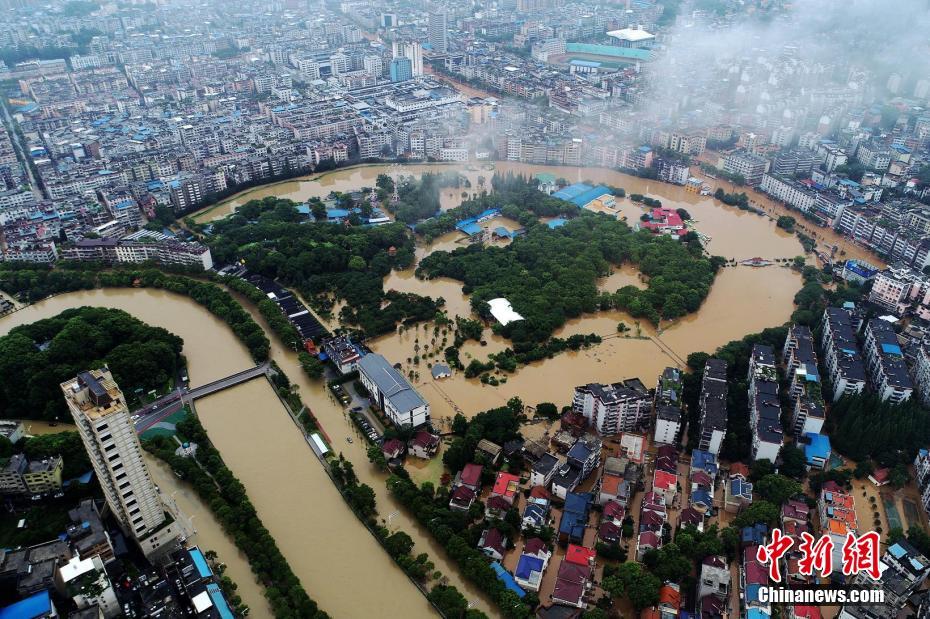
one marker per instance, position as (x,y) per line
(499,308)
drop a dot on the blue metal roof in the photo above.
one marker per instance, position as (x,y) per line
(507,578)
(527,565)
(200,562)
(470,229)
(33,606)
(219,601)
(892,349)
(817,446)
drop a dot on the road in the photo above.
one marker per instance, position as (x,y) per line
(23,153)
(172,402)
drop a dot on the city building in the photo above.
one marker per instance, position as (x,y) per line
(764,404)
(885,362)
(904,569)
(401,69)
(748,165)
(837,517)
(437,31)
(102,417)
(85,582)
(391,392)
(610,409)
(713,404)
(842,357)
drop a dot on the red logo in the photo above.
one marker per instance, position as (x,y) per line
(860,554)
(771,553)
(815,555)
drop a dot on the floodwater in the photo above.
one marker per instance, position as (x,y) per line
(213,352)
(210,536)
(734,233)
(742,300)
(318,534)
(344,180)
(326,546)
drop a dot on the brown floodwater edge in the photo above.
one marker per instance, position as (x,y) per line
(289,488)
(352,177)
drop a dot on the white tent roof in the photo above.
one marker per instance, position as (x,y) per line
(202,601)
(631,34)
(503,311)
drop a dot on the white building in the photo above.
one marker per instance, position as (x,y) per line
(615,408)
(102,418)
(85,581)
(790,192)
(922,374)
(391,392)
(842,357)
(668,424)
(885,363)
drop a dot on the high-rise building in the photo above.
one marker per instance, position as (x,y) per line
(411,50)
(102,417)
(438,35)
(401,69)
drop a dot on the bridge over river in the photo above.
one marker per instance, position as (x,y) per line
(167,405)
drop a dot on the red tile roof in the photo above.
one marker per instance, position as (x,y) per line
(613,511)
(579,554)
(425,439)
(534,546)
(471,474)
(506,484)
(539,492)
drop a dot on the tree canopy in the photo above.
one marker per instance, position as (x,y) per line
(325,261)
(550,276)
(48,352)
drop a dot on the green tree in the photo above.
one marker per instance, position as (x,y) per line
(777,489)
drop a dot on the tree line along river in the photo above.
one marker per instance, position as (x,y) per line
(339,563)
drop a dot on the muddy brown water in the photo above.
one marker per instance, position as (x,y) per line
(329,550)
(326,546)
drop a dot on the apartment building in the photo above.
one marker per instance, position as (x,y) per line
(713,404)
(896,288)
(922,471)
(922,374)
(842,357)
(102,417)
(749,166)
(885,363)
(800,360)
(614,408)
(804,386)
(789,191)
(764,405)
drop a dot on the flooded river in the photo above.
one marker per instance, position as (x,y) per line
(320,537)
(326,546)
(236,417)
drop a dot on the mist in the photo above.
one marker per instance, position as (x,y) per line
(810,58)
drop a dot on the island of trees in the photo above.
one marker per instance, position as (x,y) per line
(550,275)
(325,262)
(48,352)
